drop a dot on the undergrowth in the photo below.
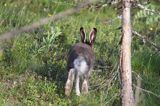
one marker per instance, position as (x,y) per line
(33,67)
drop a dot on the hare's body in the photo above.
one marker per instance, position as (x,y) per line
(80,63)
(81,58)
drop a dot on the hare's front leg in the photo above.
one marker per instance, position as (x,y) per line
(69,83)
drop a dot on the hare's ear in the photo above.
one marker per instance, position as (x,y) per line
(83,35)
(92,35)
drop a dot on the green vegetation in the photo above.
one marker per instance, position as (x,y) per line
(33,67)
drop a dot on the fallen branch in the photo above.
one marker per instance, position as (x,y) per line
(146,40)
(138,91)
(33,26)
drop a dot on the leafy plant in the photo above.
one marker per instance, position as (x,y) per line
(48,41)
(148,13)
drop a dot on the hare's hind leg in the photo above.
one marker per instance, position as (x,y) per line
(69,83)
(85,84)
(77,84)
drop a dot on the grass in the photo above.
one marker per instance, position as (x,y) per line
(33,67)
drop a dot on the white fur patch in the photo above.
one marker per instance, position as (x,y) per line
(80,65)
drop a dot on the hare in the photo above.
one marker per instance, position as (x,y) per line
(80,63)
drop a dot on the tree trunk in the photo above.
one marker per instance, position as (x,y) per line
(125,57)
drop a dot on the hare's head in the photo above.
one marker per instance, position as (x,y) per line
(92,36)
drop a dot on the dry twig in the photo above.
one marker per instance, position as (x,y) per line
(146,40)
(147,9)
(147,91)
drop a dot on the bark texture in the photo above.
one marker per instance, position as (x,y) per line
(125,57)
